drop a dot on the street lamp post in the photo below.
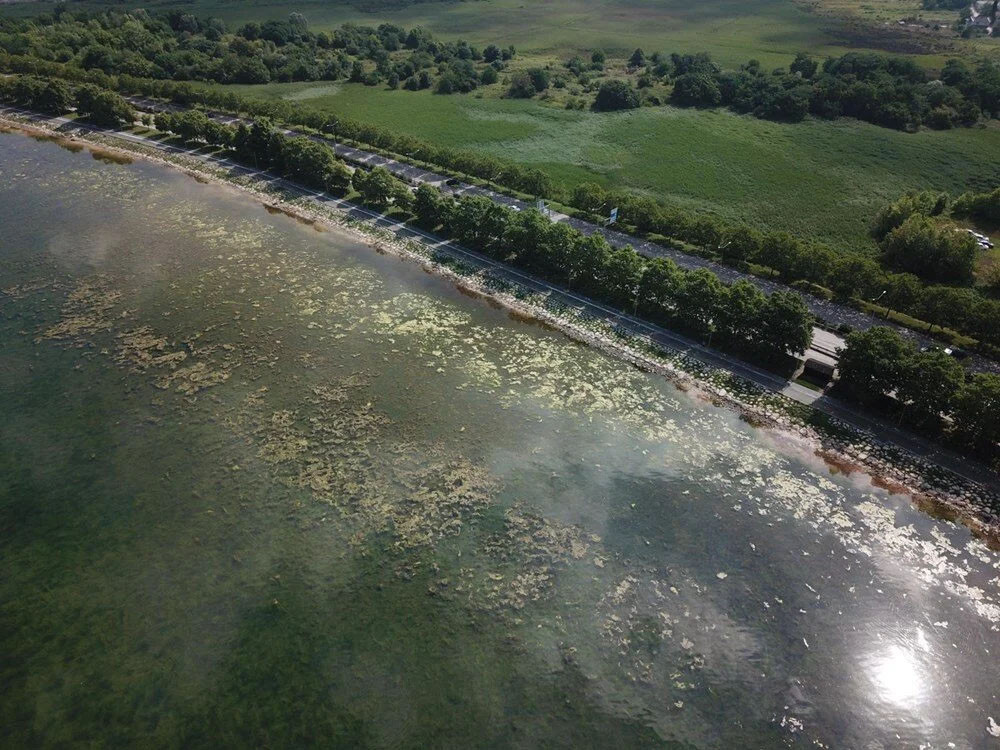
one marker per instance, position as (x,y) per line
(876,299)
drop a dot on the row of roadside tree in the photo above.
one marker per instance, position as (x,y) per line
(846,275)
(928,389)
(739,317)
(875,366)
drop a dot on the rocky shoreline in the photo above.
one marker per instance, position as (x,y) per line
(844,448)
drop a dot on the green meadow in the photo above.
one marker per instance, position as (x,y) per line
(822,179)
(816,178)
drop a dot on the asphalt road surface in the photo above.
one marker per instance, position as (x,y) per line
(665,338)
(834,314)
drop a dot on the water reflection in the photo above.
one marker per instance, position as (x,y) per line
(899,671)
(436,510)
(897,676)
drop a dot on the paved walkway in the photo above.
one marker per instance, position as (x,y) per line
(668,340)
(831,312)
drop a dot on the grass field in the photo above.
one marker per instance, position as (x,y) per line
(770,30)
(816,178)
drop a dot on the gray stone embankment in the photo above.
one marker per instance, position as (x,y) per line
(843,447)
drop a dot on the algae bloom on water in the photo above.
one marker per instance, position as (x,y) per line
(261,486)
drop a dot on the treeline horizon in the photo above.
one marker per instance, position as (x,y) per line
(877,88)
(180,46)
(883,90)
(888,91)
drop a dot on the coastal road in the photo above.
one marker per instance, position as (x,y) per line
(834,314)
(668,340)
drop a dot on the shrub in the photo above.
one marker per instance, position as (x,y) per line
(616,94)
(932,250)
(696,90)
(521,86)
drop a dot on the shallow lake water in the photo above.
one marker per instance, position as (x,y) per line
(262,486)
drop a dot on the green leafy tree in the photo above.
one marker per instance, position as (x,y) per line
(931,382)
(479,223)
(803,65)
(55,97)
(521,86)
(427,205)
(932,250)
(377,188)
(658,292)
(699,299)
(562,245)
(589,261)
(984,321)
(977,414)
(853,274)
(590,196)
(739,320)
(786,324)
(620,277)
(872,362)
(527,239)
(338,178)
(616,94)
(27,90)
(190,125)
(402,196)
(539,78)
(814,262)
(253,144)
(697,89)
(741,245)
(779,250)
(892,215)
(311,163)
(902,292)
(947,306)
(985,206)
(103,107)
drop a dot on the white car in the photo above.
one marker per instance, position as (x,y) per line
(981,239)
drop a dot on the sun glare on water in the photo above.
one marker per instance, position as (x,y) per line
(897,671)
(897,676)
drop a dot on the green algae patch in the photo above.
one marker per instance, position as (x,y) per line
(260,486)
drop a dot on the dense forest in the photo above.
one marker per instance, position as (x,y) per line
(884,90)
(181,46)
